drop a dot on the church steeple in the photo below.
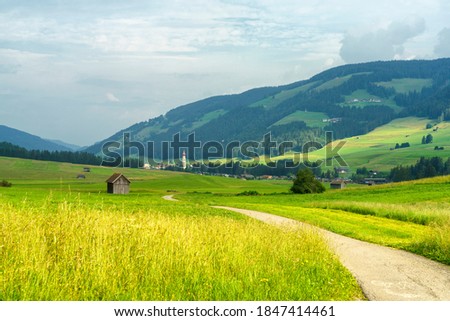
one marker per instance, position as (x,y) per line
(183,160)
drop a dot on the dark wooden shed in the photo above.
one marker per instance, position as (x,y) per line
(337,184)
(118,184)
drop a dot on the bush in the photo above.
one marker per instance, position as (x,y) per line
(249,193)
(306,183)
(403,145)
(5,183)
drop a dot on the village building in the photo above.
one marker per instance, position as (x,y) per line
(118,184)
(374,181)
(341,170)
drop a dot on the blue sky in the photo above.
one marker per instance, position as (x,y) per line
(81,70)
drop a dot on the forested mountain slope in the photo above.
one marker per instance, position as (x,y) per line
(348,100)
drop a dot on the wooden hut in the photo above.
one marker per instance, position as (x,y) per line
(118,184)
(337,184)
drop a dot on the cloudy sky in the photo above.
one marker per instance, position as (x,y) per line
(81,70)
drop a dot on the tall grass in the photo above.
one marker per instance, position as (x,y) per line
(414,216)
(424,213)
(70,250)
(435,245)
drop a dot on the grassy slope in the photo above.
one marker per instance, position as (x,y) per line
(274,100)
(361,94)
(405,85)
(312,119)
(372,150)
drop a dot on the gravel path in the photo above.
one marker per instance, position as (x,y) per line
(170,198)
(384,274)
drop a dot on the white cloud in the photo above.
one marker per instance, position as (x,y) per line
(382,44)
(112,98)
(442,48)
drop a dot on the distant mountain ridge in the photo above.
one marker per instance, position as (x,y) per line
(348,100)
(71,147)
(29,141)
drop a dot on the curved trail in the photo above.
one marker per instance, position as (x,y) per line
(170,198)
(384,274)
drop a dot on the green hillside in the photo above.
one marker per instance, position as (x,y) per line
(283,95)
(406,85)
(312,119)
(359,97)
(373,150)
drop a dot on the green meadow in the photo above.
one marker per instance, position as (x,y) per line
(66,239)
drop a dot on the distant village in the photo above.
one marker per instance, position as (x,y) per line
(364,100)
(338,178)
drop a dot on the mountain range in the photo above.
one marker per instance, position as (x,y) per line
(348,100)
(33,142)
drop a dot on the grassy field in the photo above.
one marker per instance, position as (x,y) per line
(414,216)
(66,239)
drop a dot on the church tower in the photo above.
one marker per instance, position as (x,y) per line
(183,160)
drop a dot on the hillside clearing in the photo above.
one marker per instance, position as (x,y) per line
(375,149)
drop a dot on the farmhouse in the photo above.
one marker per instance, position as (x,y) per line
(374,181)
(341,170)
(118,184)
(337,184)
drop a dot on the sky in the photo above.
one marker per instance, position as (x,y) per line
(79,71)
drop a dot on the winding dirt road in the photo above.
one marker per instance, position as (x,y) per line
(384,274)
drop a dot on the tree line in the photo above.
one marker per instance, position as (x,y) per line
(10,150)
(424,167)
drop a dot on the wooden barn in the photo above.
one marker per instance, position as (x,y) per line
(118,184)
(337,184)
